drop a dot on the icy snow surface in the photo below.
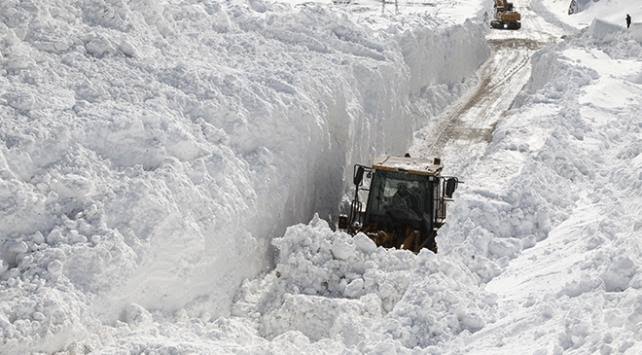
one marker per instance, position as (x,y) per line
(151,149)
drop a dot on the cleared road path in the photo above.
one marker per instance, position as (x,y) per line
(462,132)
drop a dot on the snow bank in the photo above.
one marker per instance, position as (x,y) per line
(602,30)
(548,151)
(328,285)
(551,219)
(329,293)
(612,11)
(150,150)
(636,31)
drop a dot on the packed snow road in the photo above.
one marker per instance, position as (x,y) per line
(471,120)
(464,130)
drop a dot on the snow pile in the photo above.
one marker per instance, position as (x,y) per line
(551,219)
(328,285)
(612,11)
(150,150)
(542,170)
(329,293)
(602,30)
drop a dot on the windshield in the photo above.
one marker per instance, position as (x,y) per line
(397,193)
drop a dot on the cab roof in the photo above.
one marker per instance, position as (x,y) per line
(411,165)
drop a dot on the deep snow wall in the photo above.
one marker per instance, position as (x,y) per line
(150,150)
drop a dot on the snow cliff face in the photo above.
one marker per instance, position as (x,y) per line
(150,150)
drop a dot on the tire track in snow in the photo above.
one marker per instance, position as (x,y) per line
(473,119)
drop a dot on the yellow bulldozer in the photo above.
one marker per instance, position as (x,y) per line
(506,18)
(399,202)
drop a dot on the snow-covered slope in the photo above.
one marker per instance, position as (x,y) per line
(613,11)
(553,219)
(150,150)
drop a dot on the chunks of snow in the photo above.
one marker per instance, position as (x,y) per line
(135,314)
(471,322)
(149,151)
(342,250)
(602,30)
(365,297)
(618,274)
(98,47)
(364,244)
(54,267)
(128,49)
(320,317)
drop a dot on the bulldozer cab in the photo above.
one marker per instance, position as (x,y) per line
(505,16)
(399,202)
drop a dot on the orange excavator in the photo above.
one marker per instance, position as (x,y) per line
(506,18)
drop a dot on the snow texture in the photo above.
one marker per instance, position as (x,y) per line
(364,297)
(552,222)
(612,11)
(151,150)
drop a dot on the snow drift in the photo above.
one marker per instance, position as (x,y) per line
(151,150)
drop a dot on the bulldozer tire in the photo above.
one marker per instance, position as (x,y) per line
(496,24)
(514,26)
(432,245)
(429,243)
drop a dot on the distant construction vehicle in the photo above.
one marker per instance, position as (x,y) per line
(405,202)
(506,18)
